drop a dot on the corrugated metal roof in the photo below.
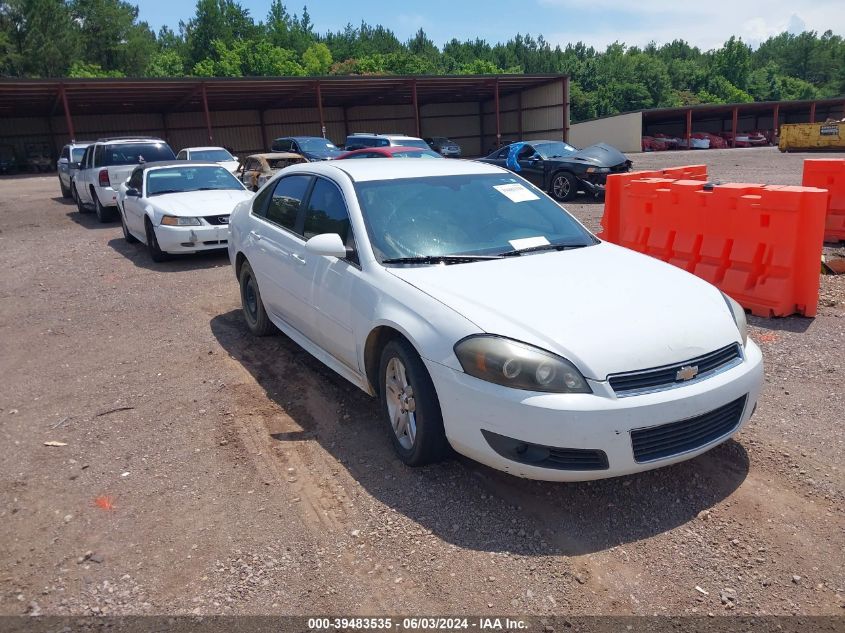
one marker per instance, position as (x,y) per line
(42,97)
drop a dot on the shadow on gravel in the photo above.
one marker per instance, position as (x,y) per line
(88,220)
(782,324)
(63,200)
(465,503)
(138,255)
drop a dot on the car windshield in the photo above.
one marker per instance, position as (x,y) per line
(215,155)
(134,153)
(179,179)
(316,145)
(411,142)
(553,150)
(480,214)
(416,153)
(76,154)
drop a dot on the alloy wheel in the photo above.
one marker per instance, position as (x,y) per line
(401,407)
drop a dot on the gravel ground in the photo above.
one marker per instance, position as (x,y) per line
(202,470)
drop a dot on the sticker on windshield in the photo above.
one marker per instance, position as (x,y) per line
(528,242)
(516,193)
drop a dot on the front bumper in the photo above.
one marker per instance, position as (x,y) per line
(190,239)
(584,422)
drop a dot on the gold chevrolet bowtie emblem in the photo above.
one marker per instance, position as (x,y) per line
(687,372)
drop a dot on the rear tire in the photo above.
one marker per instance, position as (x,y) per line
(253,307)
(131,239)
(79,205)
(564,186)
(103,214)
(156,254)
(410,406)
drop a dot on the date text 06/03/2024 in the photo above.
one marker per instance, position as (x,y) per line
(417,624)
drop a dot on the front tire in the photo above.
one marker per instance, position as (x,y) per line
(65,190)
(253,307)
(80,206)
(156,254)
(564,186)
(410,406)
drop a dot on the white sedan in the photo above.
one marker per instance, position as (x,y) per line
(219,155)
(179,206)
(486,318)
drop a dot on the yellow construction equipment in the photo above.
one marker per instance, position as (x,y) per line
(812,137)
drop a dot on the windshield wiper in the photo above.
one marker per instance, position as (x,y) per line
(440,259)
(158,193)
(542,247)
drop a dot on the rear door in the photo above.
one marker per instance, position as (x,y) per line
(82,180)
(64,166)
(277,246)
(531,165)
(133,206)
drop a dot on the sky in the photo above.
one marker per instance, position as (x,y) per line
(595,22)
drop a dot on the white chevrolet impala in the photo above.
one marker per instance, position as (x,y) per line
(486,318)
(179,206)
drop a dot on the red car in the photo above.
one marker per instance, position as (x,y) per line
(391,152)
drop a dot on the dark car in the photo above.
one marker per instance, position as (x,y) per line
(564,170)
(390,152)
(444,146)
(312,148)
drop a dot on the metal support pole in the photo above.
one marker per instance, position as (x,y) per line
(320,110)
(345,123)
(164,126)
(264,140)
(68,118)
(689,128)
(734,117)
(775,121)
(416,106)
(813,112)
(565,83)
(498,118)
(519,113)
(207,115)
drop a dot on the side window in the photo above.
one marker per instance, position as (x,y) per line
(526,152)
(182,155)
(99,154)
(503,153)
(282,146)
(86,157)
(287,198)
(381,142)
(65,152)
(136,178)
(294,147)
(259,203)
(326,212)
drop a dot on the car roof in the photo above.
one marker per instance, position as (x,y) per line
(390,149)
(197,149)
(177,163)
(285,138)
(391,169)
(275,155)
(80,143)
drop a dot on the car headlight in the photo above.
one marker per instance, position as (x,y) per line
(598,170)
(172,220)
(518,365)
(738,313)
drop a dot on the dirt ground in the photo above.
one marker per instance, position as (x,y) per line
(206,471)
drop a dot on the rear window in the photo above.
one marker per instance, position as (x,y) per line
(134,153)
(411,142)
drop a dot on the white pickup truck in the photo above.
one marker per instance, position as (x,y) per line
(107,163)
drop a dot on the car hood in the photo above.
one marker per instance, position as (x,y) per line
(230,165)
(199,203)
(604,307)
(328,154)
(600,155)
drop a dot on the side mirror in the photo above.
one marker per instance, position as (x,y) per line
(131,191)
(76,165)
(535,158)
(328,244)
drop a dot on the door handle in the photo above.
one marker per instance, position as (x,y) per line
(299,258)
(254,235)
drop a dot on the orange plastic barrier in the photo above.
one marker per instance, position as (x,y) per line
(829,173)
(759,244)
(616,182)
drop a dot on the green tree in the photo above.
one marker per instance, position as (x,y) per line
(82,70)
(733,62)
(111,37)
(317,59)
(39,38)
(165,63)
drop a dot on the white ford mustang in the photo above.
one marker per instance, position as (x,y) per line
(487,318)
(179,206)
